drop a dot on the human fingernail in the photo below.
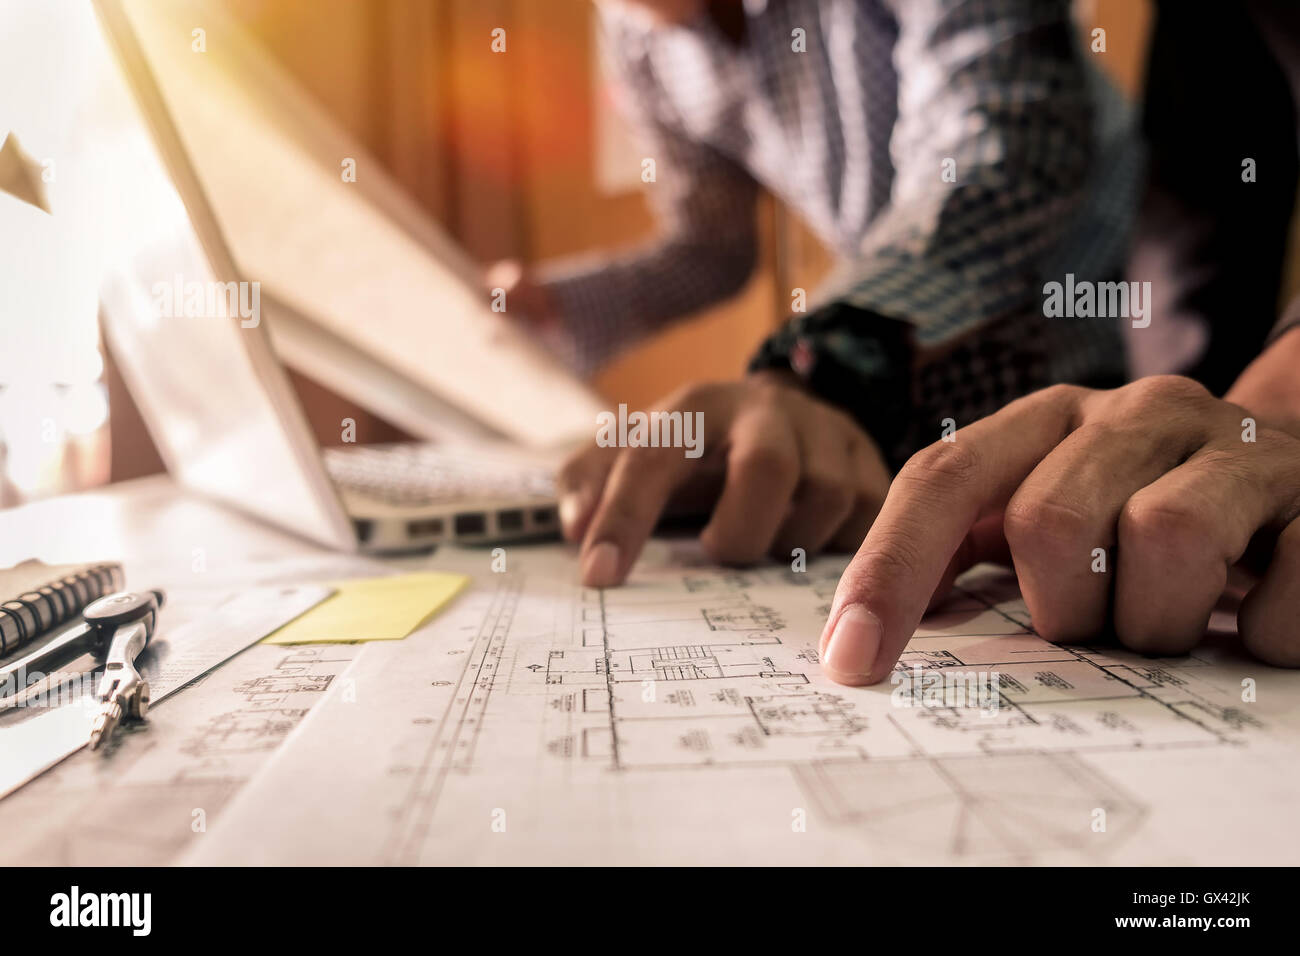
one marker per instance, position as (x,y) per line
(854,643)
(600,567)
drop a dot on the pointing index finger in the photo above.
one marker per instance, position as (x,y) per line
(932,504)
(638,489)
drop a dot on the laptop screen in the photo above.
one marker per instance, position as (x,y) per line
(184,325)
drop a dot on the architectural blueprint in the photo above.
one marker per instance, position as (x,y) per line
(158,787)
(683,719)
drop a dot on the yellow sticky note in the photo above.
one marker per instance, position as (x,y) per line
(372,609)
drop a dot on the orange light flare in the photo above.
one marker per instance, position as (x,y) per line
(542,85)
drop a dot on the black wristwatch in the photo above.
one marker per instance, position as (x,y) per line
(856,359)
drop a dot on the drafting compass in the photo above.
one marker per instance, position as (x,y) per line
(115,628)
(125,622)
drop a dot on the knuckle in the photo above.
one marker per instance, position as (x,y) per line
(942,465)
(1167,390)
(771,459)
(1148,524)
(1063,394)
(1045,525)
(1058,398)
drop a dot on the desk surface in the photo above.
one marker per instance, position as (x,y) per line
(682,718)
(147,522)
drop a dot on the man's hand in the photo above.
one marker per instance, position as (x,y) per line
(525,298)
(780,470)
(1158,473)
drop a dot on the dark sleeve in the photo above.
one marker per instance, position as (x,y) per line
(1220,123)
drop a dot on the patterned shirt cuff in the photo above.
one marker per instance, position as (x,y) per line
(594,325)
(940,301)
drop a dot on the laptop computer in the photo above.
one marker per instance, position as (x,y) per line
(192,335)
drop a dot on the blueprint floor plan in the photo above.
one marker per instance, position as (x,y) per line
(156,791)
(683,719)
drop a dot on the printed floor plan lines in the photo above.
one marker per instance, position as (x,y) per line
(451,747)
(157,789)
(1009,808)
(684,718)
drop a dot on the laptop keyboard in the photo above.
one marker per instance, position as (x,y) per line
(420,475)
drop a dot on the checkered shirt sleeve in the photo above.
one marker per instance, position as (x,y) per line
(707,241)
(997,88)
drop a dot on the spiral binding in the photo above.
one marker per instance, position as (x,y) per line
(36,613)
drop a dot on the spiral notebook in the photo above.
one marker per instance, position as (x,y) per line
(39,598)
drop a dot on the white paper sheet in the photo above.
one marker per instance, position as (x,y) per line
(684,719)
